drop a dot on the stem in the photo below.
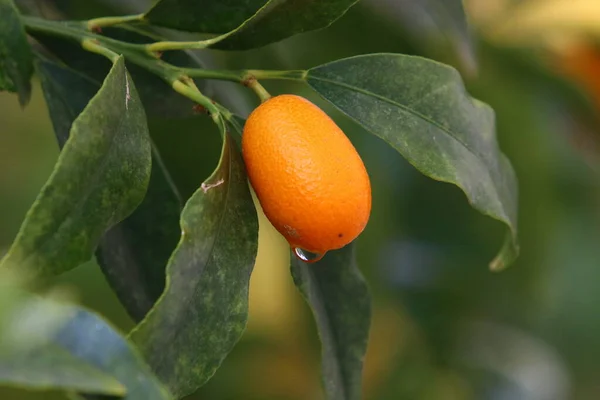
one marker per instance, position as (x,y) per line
(234,76)
(228,115)
(142,55)
(96,23)
(94,46)
(195,95)
(295,75)
(245,75)
(138,53)
(258,89)
(72,32)
(159,47)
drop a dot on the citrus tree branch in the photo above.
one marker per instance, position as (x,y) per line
(93,46)
(190,45)
(146,57)
(97,23)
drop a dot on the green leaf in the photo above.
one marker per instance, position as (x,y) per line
(421,108)
(341,304)
(51,345)
(16,60)
(279,19)
(207,16)
(134,253)
(204,309)
(100,177)
(158,98)
(236,125)
(67,93)
(439,27)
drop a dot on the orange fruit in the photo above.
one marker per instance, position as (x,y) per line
(307,175)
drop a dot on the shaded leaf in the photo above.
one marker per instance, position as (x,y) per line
(236,124)
(51,345)
(134,253)
(340,301)
(158,97)
(205,16)
(421,108)
(67,93)
(204,309)
(279,19)
(16,60)
(100,177)
(439,27)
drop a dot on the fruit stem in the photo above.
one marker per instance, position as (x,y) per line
(258,89)
(96,24)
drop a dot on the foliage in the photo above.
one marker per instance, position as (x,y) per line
(110,194)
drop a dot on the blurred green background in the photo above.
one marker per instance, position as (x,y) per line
(444,326)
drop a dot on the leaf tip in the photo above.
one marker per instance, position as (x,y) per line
(498,264)
(508,255)
(24,95)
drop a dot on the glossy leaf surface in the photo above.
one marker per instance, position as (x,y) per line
(247,24)
(421,108)
(278,20)
(205,16)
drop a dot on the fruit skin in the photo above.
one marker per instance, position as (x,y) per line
(307,175)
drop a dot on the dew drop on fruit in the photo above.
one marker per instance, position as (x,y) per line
(307,256)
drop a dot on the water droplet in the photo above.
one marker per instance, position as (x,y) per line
(307,256)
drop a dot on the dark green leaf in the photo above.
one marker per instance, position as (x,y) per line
(341,304)
(421,108)
(438,26)
(203,311)
(16,60)
(207,16)
(134,253)
(46,344)
(158,97)
(236,123)
(280,19)
(100,178)
(67,93)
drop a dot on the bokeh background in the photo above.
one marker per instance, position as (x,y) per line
(444,326)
